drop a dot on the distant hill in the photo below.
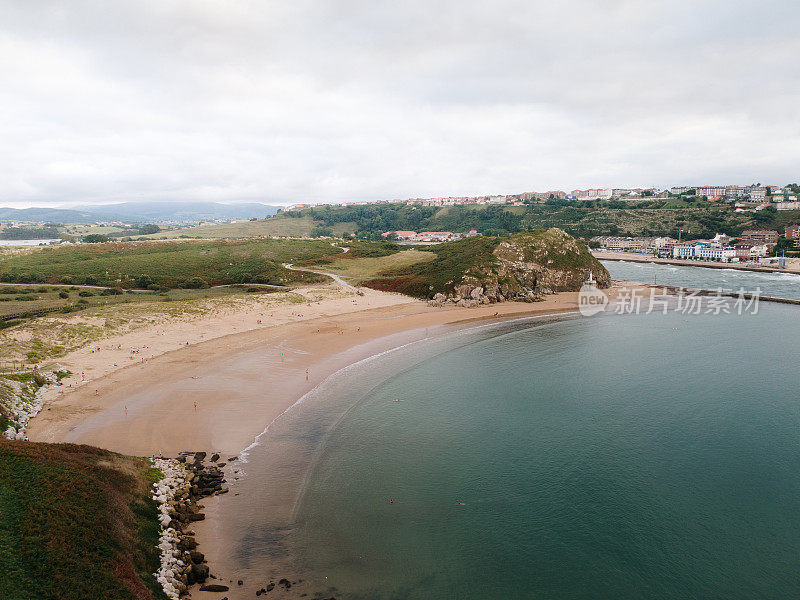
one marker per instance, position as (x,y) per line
(50,215)
(142,212)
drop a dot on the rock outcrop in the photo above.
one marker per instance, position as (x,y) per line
(526,267)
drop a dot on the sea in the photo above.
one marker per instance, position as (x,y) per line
(775,284)
(616,456)
(28,242)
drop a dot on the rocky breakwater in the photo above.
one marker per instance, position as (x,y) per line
(525,267)
(21,400)
(186,480)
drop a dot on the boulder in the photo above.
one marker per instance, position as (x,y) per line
(200,573)
(214,587)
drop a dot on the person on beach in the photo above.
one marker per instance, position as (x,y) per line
(195,406)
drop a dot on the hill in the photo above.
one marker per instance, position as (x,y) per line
(521,266)
(141,212)
(274,227)
(579,218)
(76,523)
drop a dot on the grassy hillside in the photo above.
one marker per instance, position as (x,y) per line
(76,523)
(169,264)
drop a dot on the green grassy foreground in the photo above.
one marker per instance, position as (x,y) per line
(76,523)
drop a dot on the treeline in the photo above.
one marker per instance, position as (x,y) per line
(29,233)
(662,217)
(373,219)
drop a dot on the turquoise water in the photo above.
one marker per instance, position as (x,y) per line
(777,285)
(612,457)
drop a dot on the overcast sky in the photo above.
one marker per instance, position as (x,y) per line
(333,100)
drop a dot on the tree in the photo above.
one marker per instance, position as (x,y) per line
(94,238)
(149,229)
(321,231)
(765,215)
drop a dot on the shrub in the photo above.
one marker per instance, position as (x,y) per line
(63,294)
(195,283)
(85,293)
(94,238)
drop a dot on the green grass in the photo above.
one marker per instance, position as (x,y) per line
(167,264)
(364,268)
(76,523)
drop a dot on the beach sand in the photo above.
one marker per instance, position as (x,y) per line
(235,375)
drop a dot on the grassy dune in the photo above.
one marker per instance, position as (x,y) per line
(76,523)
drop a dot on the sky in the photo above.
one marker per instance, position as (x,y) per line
(349,100)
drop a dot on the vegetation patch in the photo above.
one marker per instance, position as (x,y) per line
(76,523)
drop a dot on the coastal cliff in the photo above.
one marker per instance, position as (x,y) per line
(481,270)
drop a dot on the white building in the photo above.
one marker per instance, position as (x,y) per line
(716,253)
(686,251)
(593,194)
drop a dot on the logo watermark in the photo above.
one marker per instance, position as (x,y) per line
(591,300)
(637,300)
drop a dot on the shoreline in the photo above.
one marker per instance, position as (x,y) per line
(142,408)
(220,395)
(335,397)
(630,257)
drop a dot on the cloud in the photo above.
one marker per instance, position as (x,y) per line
(354,100)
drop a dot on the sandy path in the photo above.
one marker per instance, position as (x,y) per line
(333,276)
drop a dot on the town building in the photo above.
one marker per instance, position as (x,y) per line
(792,232)
(593,194)
(760,236)
(401,235)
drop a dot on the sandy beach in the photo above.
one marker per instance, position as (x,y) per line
(149,392)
